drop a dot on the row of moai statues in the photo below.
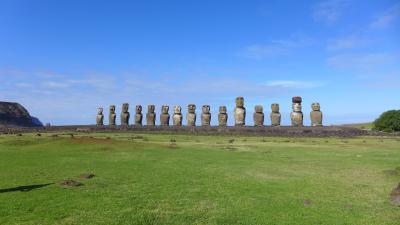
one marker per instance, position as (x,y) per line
(239,115)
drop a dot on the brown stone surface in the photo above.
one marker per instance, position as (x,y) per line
(296,116)
(316,115)
(258,116)
(191,115)
(297,99)
(222,116)
(125,114)
(177,117)
(100,117)
(240,112)
(112,116)
(138,115)
(275,116)
(205,116)
(164,116)
(151,115)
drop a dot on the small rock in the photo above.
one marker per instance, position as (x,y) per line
(308,202)
(71,183)
(395,196)
(87,175)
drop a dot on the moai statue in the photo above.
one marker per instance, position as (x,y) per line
(151,115)
(296,116)
(222,116)
(258,116)
(164,117)
(138,116)
(205,116)
(125,115)
(316,115)
(240,112)
(275,115)
(112,116)
(191,115)
(99,117)
(177,117)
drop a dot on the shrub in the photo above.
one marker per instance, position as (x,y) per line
(388,121)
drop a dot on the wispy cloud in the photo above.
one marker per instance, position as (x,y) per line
(275,48)
(387,18)
(294,84)
(329,11)
(360,61)
(348,42)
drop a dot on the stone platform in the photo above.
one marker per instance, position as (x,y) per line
(282,131)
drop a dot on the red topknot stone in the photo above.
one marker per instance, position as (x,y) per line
(296,99)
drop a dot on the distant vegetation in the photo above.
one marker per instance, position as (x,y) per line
(388,121)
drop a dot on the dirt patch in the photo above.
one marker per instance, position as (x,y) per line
(91,140)
(348,206)
(307,202)
(87,175)
(395,196)
(173,145)
(71,183)
(231,148)
(393,172)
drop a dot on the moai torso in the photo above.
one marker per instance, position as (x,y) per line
(164,116)
(99,117)
(316,115)
(275,115)
(112,116)
(222,116)
(151,115)
(296,116)
(138,116)
(240,112)
(191,115)
(205,116)
(125,114)
(258,116)
(177,117)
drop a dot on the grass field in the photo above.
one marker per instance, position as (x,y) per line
(184,179)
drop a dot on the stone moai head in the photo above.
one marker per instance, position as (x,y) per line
(112,109)
(151,108)
(100,111)
(177,109)
(125,107)
(191,108)
(138,109)
(239,102)
(315,106)
(296,107)
(222,109)
(275,107)
(164,109)
(206,109)
(258,109)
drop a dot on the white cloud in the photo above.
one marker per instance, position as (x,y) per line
(275,48)
(55,84)
(329,11)
(360,61)
(294,84)
(387,18)
(349,42)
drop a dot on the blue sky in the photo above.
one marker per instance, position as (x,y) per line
(63,59)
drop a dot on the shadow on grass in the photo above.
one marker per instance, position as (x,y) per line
(24,188)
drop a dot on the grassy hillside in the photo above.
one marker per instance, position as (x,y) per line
(184,179)
(361,125)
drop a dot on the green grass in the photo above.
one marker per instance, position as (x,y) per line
(188,179)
